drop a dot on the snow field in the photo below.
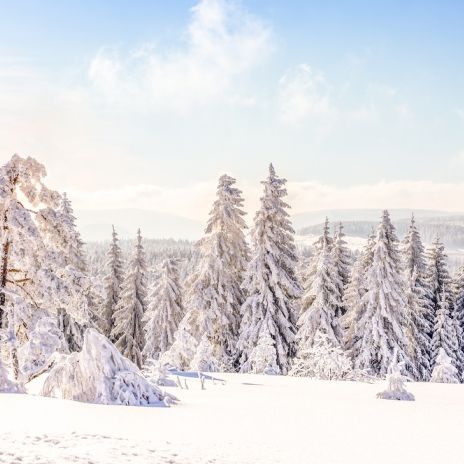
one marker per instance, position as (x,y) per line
(249,419)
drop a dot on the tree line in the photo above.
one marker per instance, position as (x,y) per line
(247,306)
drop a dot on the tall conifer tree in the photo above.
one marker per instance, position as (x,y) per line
(267,339)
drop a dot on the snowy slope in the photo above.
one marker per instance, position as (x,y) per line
(251,419)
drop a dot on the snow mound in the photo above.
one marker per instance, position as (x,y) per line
(100,374)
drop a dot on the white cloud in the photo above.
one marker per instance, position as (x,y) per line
(308,95)
(223,41)
(303,92)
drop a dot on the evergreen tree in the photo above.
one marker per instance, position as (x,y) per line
(320,303)
(342,259)
(113,282)
(269,312)
(324,241)
(419,303)
(437,274)
(164,311)
(72,248)
(73,243)
(458,307)
(385,314)
(215,295)
(353,297)
(128,326)
(444,332)
(444,371)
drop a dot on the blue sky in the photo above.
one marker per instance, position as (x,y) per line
(358,104)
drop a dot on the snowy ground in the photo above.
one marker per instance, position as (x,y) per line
(250,419)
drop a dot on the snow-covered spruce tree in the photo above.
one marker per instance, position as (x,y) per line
(437,273)
(419,303)
(264,354)
(270,310)
(458,309)
(214,296)
(320,303)
(113,283)
(438,278)
(59,229)
(444,371)
(385,312)
(342,258)
(444,331)
(164,311)
(128,317)
(73,242)
(324,241)
(74,256)
(353,298)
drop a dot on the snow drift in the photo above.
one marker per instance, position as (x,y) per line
(100,374)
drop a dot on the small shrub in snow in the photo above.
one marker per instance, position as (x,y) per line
(263,357)
(157,373)
(444,371)
(322,361)
(396,389)
(100,374)
(182,350)
(204,359)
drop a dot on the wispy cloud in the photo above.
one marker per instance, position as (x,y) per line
(307,94)
(223,42)
(303,92)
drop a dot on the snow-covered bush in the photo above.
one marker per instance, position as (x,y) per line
(396,389)
(182,350)
(157,373)
(263,357)
(444,371)
(204,359)
(323,361)
(100,374)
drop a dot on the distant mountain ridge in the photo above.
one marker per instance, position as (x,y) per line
(95,225)
(310,218)
(450,229)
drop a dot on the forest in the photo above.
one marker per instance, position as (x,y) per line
(105,327)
